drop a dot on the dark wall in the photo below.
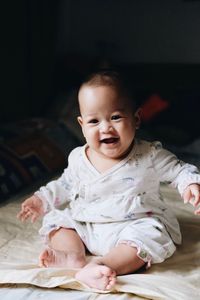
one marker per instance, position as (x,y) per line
(27,53)
(132,31)
(47,45)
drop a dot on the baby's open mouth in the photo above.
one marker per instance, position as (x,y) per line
(110,140)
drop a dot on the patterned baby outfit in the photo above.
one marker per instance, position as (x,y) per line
(121,205)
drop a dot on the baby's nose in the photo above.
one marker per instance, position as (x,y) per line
(105,126)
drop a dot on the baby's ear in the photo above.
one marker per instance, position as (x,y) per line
(80,121)
(137,117)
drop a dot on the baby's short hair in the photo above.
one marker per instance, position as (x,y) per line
(113,79)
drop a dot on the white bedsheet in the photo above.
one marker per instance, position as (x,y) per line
(177,278)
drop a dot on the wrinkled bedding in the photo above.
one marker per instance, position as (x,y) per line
(177,278)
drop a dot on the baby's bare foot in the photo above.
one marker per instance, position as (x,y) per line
(97,276)
(55,258)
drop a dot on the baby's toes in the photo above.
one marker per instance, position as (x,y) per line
(45,257)
(106,271)
(111,282)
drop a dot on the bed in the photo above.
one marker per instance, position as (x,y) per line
(178,278)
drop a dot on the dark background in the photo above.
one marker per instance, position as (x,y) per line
(47,46)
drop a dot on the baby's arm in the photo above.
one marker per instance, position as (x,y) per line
(184,176)
(61,190)
(192,195)
(54,194)
(31,208)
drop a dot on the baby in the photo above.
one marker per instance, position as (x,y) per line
(114,208)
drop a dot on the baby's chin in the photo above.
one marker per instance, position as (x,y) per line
(114,154)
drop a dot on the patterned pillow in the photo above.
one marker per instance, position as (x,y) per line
(32,150)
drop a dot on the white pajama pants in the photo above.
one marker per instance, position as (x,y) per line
(148,235)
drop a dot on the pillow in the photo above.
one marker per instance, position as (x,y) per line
(31,150)
(65,107)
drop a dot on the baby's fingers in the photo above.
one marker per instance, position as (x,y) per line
(187,196)
(20,215)
(34,217)
(196,196)
(24,214)
(197,211)
(196,199)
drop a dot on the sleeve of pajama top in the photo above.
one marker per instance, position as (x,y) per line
(169,168)
(59,191)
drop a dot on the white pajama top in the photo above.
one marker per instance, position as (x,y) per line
(130,190)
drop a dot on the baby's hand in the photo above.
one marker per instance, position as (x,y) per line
(31,208)
(192,195)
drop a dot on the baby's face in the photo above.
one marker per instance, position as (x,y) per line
(108,123)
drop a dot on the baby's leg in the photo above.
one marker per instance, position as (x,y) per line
(65,250)
(101,273)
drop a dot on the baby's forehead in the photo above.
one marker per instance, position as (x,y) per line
(104,90)
(87,86)
(109,92)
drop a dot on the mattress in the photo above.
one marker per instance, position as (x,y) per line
(177,278)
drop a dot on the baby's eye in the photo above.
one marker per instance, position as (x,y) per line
(93,121)
(116,117)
